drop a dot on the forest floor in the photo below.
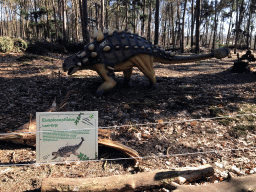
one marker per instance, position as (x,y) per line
(184,95)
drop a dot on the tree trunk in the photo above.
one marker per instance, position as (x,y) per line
(207,31)
(76,22)
(1,24)
(117,15)
(238,19)
(188,32)
(143,18)
(55,20)
(248,26)
(164,33)
(133,18)
(47,20)
(241,16)
(173,35)
(215,26)
(156,23)
(97,15)
(192,24)
(84,20)
(126,15)
(102,15)
(183,27)
(37,29)
(169,26)
(178,29)
(106,17)
(254,42)
(230,24)
(198,2)
(149,21)
(21,24)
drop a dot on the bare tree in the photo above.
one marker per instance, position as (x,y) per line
(102,15)
(84,20)
(64,19)
(183,26)
(173,34)
(149,20)
(198,2)
(156,22)
(248,25)
(143,17)
(192,23)
(230,22)
(215,26)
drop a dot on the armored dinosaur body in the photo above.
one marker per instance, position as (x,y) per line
(67,150)
(121,51)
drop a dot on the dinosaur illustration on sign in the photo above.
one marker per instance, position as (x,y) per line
(67,150)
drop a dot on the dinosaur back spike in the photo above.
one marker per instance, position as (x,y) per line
(100,35)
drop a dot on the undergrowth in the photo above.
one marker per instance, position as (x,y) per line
(239,125)
(8,44)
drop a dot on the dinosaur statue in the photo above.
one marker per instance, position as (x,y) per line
(121,51)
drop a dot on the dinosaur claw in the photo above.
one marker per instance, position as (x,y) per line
(152,86)
(126,84)
(99,94)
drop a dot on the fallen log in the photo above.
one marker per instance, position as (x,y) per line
(120,147)
(246,183)
(134,182)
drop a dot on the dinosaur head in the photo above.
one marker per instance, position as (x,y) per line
(87,57)
(76,62)
(72,64)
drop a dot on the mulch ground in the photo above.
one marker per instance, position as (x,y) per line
(189,91)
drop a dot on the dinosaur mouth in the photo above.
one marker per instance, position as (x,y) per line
(72,70)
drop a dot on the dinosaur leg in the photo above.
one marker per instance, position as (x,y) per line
(127,77)
(104,74)
(145,65)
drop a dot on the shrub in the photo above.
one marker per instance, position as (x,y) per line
(19,44)
(6,44)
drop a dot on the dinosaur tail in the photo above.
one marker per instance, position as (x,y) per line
(218,53)
(82,140)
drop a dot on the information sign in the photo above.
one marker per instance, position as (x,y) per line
(66,136)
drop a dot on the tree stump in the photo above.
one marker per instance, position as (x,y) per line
(240,67)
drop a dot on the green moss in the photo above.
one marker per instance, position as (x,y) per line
(241,130)
(216,111)
(227,121)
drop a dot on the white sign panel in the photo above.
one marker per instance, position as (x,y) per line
(66,136)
